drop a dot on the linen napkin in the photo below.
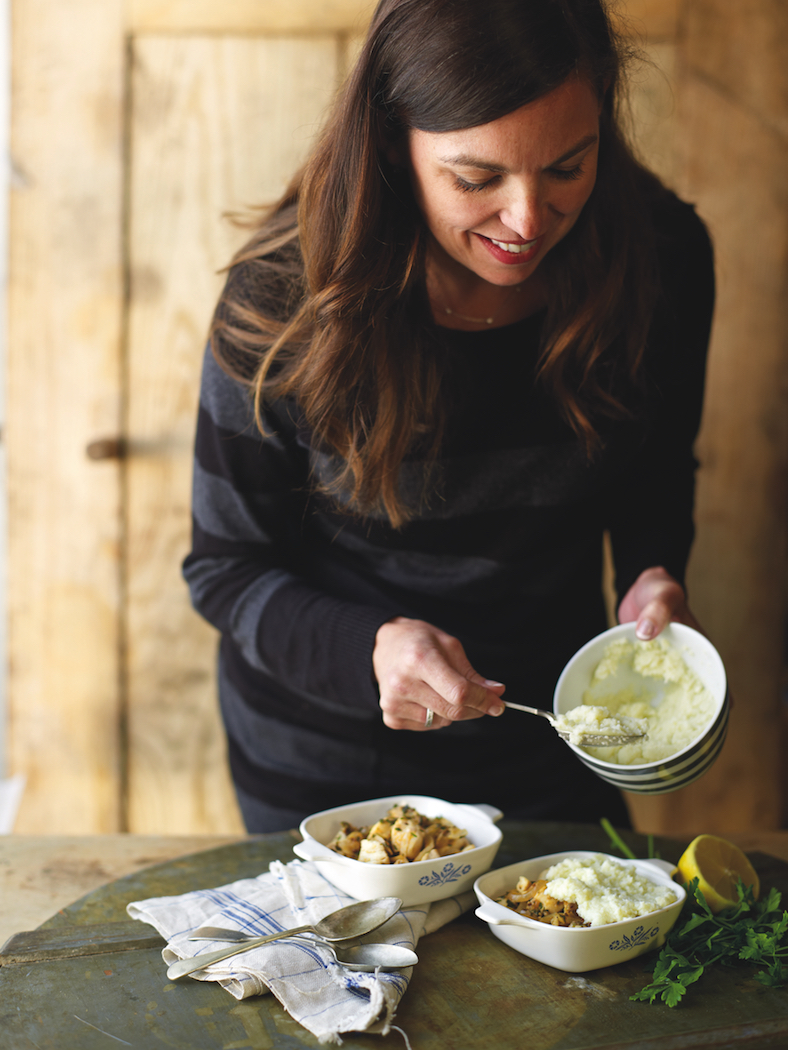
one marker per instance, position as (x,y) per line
(321,994)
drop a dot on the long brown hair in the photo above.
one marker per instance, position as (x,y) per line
(327,303)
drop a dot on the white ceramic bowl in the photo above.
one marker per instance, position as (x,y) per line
(421,881)
(669,774)
(580,948)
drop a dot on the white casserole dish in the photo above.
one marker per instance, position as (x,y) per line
(576,949)
(419,882)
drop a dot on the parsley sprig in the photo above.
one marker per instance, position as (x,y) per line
(751,931)
(619,844)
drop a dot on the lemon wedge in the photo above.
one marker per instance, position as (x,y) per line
(718,866)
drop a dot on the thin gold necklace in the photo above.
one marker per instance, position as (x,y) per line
(479,320)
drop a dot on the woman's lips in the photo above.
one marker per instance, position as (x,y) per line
(511,253)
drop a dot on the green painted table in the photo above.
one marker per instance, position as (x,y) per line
(469,991)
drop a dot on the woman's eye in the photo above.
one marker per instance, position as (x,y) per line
(471,187)
(568,173)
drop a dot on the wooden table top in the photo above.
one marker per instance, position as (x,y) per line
(39,874)
(469,992)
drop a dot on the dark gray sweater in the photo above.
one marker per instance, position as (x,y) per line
(506,556)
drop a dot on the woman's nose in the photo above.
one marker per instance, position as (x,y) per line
(523,212)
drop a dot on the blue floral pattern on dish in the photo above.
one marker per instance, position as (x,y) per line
(449,873)
(640,935)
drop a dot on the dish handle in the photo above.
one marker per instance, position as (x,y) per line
(482,809)
(489,915)
(311,850)
(663,865)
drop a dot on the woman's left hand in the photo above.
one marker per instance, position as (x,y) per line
(653,601)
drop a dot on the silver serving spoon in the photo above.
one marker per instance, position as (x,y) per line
(368,957)
(364,957)
(221,933)
(346,924)
(581,737)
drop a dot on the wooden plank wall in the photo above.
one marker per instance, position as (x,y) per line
(135,126)
(64,390)
(235,101)
(731,140)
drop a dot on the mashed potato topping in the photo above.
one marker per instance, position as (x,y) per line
(604,890)
(649,681)
(588,718)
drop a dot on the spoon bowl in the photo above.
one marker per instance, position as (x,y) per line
(580,737)
(367,958)
(348,923)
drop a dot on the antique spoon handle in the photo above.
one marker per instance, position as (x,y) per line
(199,962)
(531,710)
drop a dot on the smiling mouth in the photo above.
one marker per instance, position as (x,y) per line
(515,249)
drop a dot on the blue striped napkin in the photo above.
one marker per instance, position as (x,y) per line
(320,993)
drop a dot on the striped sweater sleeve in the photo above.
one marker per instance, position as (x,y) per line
(246,507)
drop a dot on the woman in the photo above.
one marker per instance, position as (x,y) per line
(469,340)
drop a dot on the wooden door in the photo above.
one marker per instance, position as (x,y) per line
(137,127)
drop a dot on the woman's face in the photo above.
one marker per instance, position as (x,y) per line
(497,197)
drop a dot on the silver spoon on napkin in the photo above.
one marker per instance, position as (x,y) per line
(365,957)
(368,957)
(346,924)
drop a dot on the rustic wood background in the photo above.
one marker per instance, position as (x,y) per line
(136,125)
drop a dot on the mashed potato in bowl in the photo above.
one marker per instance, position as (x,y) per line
(604,890)
(651,683)
(613,882)
(677,681)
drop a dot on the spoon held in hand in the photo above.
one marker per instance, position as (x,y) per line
(577,735)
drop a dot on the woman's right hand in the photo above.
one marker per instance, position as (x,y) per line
(419,668)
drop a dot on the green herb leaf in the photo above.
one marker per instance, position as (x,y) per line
(615,838)
(751,931)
